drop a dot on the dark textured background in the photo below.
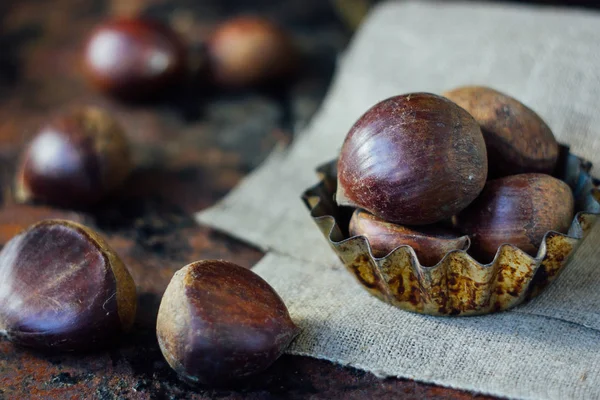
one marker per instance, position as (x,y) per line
(190,149)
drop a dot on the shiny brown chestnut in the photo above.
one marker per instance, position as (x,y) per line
(219,322)
(76,159)
(517,139)
(63,288)
(413,159)
(518,210)
(134,58)
(248,50)
(430,243)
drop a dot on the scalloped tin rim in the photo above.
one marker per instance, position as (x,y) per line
(540,255)
(458,284)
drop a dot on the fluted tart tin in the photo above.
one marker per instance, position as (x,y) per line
(458,285)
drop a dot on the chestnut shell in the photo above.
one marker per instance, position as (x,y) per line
(248,50)
(517,139)
(76,158)
(219,322)
(132,58)
(63,288)
(412,159)
(518,210)
(430,243)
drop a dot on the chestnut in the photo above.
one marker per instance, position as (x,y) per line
(133,58)
(412,159)
(430,243)
(218,322)
(77,158)
(63,288)
(247,51)
(517,139)
(518,210)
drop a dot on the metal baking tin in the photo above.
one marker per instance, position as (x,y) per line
(458,284)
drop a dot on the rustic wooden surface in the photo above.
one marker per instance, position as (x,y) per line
(190,149)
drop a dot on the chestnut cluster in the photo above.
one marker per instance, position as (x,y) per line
(62,288)
(423,169)
(81,156)
(135,58)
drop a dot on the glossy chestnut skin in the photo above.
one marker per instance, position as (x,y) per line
(76,159)
(247,51)
(413,159)
(62,288)
(518,210)
(430,243)
(134,58)
(219,322)
(517,139)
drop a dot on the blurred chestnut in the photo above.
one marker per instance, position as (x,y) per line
(218,322)
(134,58)
(517,139)
(430,243)
(518,210)
(75,159)
(63,288)
(247,51)
(413,159)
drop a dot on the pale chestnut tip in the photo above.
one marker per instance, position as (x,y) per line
(341,198)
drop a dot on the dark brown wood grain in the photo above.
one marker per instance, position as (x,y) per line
(190,149)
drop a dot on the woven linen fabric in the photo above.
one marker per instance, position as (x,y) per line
(549,58)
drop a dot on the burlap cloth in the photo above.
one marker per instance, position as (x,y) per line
(548,58)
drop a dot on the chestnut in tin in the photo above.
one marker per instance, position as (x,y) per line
(63,288)
(219,322)
(430,243)
(517,139)
(132,58)
(413,159)
(518,210)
